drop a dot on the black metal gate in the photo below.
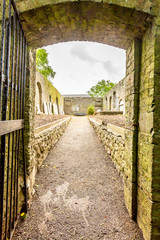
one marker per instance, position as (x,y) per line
(13,57)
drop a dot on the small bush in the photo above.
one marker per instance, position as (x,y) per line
(90,110)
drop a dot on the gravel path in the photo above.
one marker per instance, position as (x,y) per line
(79,194)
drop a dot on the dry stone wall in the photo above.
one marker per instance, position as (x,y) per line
(113,141)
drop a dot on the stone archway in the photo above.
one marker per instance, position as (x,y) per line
(128,25)
(86,21)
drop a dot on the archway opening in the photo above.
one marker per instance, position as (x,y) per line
(115,25)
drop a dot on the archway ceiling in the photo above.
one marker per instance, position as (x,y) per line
(149,6)
(84,21)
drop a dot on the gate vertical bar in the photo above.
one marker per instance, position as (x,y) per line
(23,105)
(14,97)
(13,60)
(4,107)
(8,157)
(15,117)
(2,52)
(18,117)
(9,180)
(1,83)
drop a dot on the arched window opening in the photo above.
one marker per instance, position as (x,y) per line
(57,104)
(39,95)
(114,99)
(121,105)
(110,103)
(106,103)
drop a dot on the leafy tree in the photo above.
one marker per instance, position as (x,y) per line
(101,88)
(42,64)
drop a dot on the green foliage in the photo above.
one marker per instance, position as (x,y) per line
(90,110)
(101,88)
(42,64)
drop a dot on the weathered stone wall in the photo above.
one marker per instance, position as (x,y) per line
(131,113)
(113,141)
(141,185)
(114,100)
(29,116)
(156,135)
(148,211)
(45,138)
(46,93)
(80,103)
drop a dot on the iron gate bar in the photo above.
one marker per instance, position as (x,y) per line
(1,83)
(4,103)
(18,116)
(23,105)
(1,57)
(15,117)
(13,81)
(9,180)
(13,61)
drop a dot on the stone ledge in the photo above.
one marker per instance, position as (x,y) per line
(118,131)
(42,129)
(96,121)
(115,130)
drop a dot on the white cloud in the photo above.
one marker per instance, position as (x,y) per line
(81,52)
(80,65)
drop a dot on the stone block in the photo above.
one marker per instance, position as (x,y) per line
(129,194)
(144,213)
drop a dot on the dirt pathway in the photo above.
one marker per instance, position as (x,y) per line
(79,194)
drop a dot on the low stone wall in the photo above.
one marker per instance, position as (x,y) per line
(46,137)
(112,138)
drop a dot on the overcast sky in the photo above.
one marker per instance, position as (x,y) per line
(80,65)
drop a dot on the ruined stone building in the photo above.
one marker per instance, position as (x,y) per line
(47,99)
(78,104)
(114,100)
